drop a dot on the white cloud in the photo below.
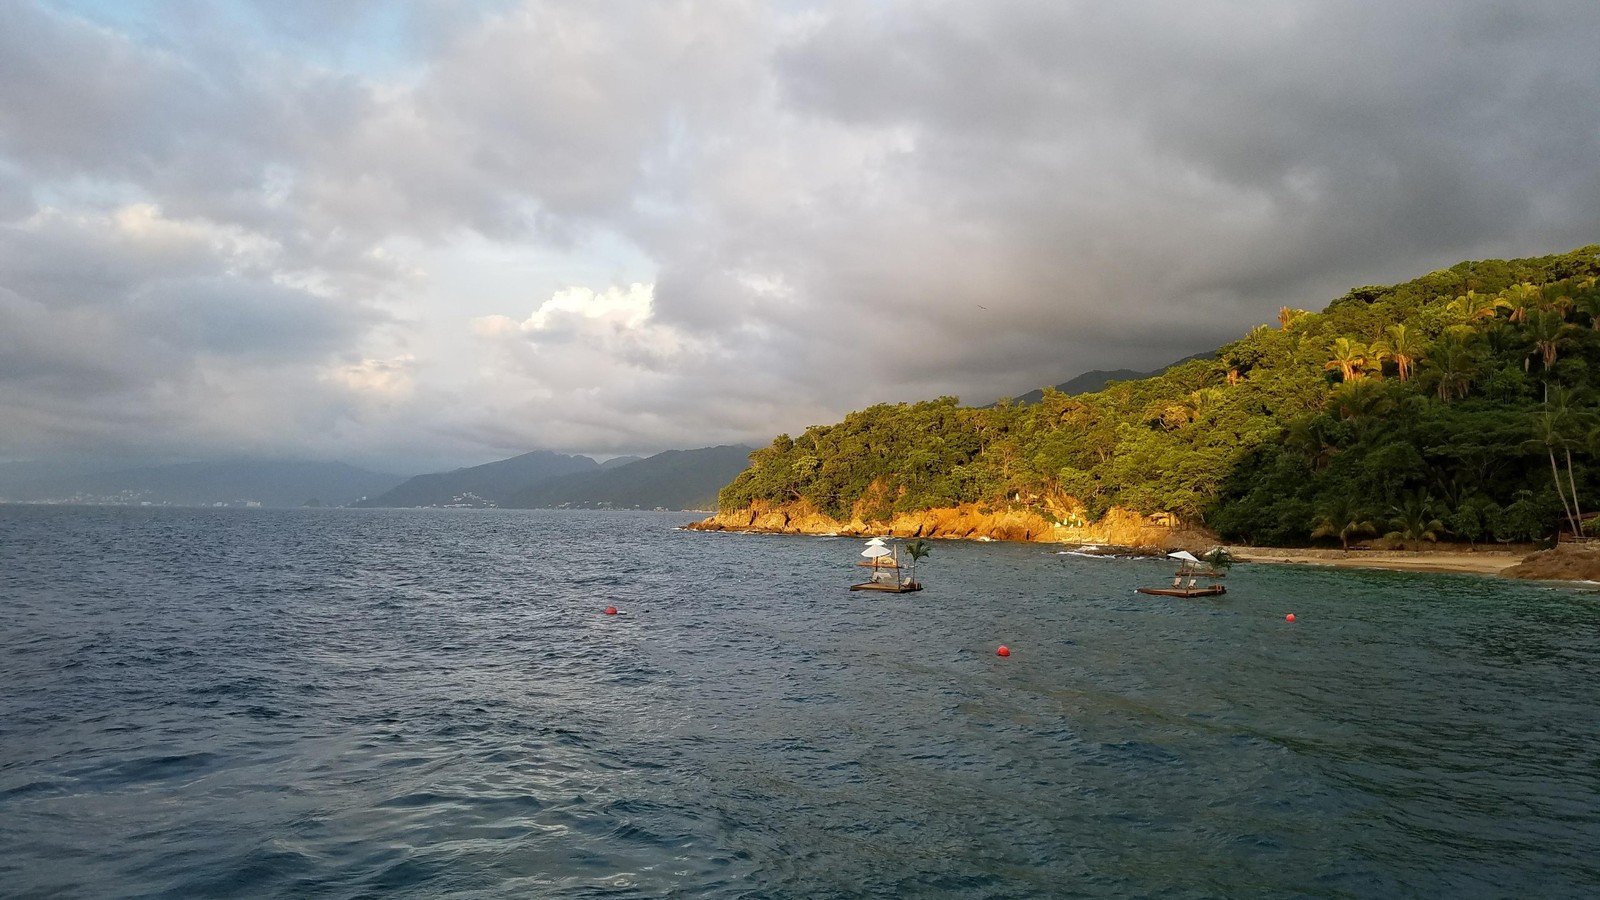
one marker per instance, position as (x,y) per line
(386,379)
(617,307)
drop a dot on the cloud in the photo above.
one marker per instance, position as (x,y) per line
(381,379)
(131,328)
(715,221)
(620,308)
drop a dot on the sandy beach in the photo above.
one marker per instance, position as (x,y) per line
(1478,562)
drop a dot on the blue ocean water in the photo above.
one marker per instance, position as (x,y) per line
(356,703)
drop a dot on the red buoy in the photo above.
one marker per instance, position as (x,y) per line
(611,610)
(1003,651)
(1289,617)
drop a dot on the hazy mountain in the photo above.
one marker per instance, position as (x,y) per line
(42,479)
(676,479)
(1097,380)
(1087,383)
(202,484)
(486,485)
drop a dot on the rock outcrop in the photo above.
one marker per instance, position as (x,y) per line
(970,521)
(1563,562)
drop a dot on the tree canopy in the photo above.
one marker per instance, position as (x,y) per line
(1419,410)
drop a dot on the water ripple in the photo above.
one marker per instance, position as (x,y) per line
(339,703)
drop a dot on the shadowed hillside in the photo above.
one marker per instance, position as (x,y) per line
(676,479)
(486,485)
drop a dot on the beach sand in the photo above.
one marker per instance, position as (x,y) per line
(1481,562)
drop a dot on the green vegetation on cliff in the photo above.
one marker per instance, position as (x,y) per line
(1461,405)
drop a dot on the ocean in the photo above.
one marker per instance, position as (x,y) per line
(432,703)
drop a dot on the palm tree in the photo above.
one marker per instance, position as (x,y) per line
(1451,361)
(1349,357)
(1550,430)
(1591,441)
(1401,345)
(1577,421)
(1359,401)
(1561,304)
(1205,401)
(1589,304)
(917,550)
(1343,520)
(1548,332)
(1471,305)
(1376,354)
(1171,415)
(1311,436)
(1192,408)
(1414,520)
(1287,317)
(1519,298)
(1500,337)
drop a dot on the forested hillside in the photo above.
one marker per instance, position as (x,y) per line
(1460,405)
(485,485)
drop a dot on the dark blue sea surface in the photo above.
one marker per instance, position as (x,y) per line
(362,703)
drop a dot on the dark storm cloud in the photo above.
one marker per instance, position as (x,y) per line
(85,101)
(121,314)
(1109,178)
(844,203)
(16,195)
(253,321)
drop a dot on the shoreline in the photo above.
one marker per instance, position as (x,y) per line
(1468,562)
(1120,531)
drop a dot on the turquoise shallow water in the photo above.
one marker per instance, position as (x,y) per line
(338,703)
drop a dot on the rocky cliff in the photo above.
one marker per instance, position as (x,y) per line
(1120,527)
(1564,562)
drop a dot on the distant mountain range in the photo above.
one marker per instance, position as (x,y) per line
(676,479)
(249,483)
(1097,380)
(485,485)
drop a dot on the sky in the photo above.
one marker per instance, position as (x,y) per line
(414,236)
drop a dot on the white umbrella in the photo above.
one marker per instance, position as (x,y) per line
(876,552)
(875,542)
(1183,555)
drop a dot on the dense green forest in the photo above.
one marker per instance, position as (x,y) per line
(1458,406)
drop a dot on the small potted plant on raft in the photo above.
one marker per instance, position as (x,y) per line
(917,550)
